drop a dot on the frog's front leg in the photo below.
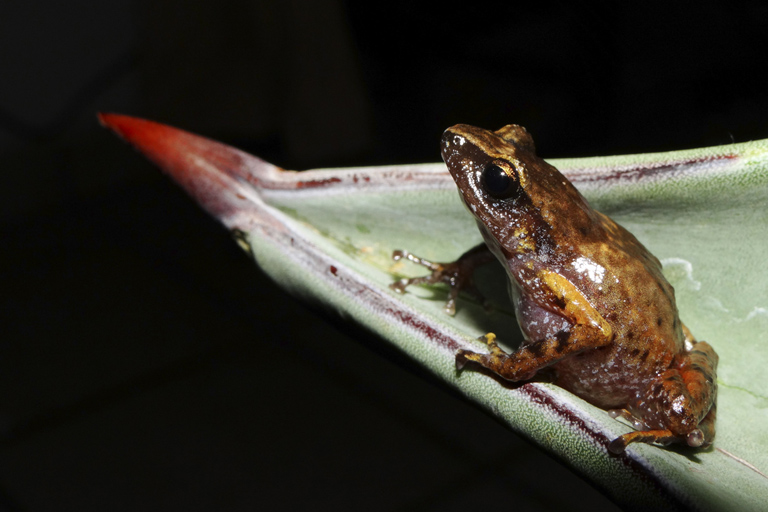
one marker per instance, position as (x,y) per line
(588,330)
(529,359)
(680,403)
(456,274)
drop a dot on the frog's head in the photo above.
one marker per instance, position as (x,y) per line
(515,196)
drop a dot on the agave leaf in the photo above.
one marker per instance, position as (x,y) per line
(327,235)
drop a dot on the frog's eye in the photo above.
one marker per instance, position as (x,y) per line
(500,182)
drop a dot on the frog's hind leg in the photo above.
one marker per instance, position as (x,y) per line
(683,400)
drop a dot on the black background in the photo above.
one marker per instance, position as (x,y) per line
(147,364)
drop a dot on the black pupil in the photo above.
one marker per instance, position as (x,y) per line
(497,182)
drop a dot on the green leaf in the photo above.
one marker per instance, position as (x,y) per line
(327,235)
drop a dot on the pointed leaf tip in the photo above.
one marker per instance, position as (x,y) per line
(223,179)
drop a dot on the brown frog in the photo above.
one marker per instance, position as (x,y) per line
(592,303)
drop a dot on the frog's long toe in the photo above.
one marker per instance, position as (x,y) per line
(463,356)
(661,436)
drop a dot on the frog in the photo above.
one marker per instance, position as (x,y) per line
(598,318)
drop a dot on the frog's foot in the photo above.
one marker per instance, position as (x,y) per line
(490,340)
(441,273)
(663,436)
(462,356)
(697,438)
(457,274)
(642,433)
(497,361)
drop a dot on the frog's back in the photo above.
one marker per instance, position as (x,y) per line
(624,283)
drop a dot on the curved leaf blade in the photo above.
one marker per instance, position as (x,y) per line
(327,235)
